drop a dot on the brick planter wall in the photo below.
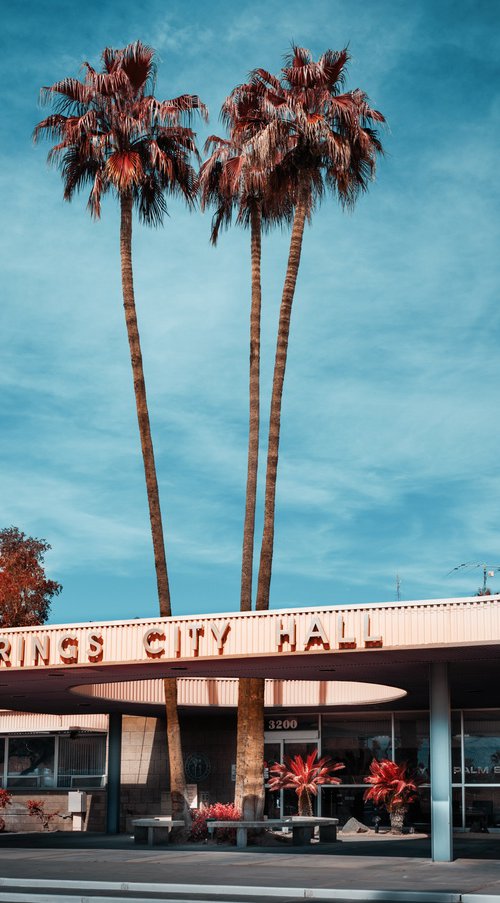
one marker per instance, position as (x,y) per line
(17,819)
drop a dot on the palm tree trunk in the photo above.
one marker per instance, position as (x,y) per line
(252,806)
(305,803)
(254,406)
(253,791)
(266,553)
(177,779)
(248,687)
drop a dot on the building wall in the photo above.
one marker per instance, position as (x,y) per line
(209,744)
(17,819)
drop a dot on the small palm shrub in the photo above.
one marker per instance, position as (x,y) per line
(5,800)
(393,786)
(304,777)
(219,812)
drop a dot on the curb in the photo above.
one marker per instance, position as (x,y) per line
(242,893)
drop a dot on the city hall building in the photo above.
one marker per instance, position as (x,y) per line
(416,682)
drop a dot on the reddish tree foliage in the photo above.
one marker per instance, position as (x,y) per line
(5,800)
(25,591)
(219,812)
(36,809)
(304,777)
(393,786)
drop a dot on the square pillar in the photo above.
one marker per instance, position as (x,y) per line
(440,760)
(114,773)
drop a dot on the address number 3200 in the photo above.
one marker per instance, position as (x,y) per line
(282,724)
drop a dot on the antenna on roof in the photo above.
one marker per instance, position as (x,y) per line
(488,571)
(398,588)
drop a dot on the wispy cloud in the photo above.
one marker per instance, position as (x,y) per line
(389,430)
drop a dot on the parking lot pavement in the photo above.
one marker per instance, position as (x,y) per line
(358,866)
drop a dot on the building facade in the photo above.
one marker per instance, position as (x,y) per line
(413,681)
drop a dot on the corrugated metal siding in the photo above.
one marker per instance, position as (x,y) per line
(405,625)
(224,692)
(32,722)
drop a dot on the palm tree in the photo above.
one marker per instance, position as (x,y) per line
(393,786)
(231,180)
(315,139)
(114,135)
(328,144)
(304,776)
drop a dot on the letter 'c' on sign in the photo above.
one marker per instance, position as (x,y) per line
(150,637)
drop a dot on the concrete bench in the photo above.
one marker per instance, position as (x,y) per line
(146,828)
(301,828)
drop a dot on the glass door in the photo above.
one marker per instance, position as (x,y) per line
(281,803)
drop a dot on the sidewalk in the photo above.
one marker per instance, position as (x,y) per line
(352,864)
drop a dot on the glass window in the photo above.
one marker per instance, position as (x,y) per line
(456,748)
(482,808)
(355,741)
(82,761)
(31,762)
(457,813)
(482,747)
(2,760)
(412,741)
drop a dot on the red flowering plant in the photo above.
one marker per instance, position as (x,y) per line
(216,812)
(5,800)
(36,809)
(393,786)
(304,777)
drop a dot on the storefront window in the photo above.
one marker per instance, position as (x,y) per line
(456,747)
(457,814)
(82,761)
(412,742)
(31,762)
(482,808)
(347,802)
(482,747)
(355,741)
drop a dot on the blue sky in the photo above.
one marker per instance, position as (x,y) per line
(390,428)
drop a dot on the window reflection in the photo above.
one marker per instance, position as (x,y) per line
(481,748)
(356,742)
(31,762)
(412,742)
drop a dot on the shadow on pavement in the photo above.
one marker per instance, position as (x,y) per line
(481,846)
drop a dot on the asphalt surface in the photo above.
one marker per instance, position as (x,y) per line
(376,864)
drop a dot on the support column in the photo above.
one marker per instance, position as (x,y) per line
(114,773)
(440,760)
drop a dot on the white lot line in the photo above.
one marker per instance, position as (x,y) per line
(227,894)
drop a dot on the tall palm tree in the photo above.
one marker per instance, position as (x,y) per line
(231,180)
(315,139)
(114,135)
(328,144)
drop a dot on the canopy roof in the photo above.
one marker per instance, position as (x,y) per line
(101,666)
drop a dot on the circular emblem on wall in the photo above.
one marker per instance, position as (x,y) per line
(197,767)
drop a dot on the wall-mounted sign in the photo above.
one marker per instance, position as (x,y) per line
(197,767)
(290,723)
(281,724)
(171,639)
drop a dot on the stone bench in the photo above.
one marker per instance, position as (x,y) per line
(145,829)
(301,826)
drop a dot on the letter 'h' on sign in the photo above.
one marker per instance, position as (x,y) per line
(285,633)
